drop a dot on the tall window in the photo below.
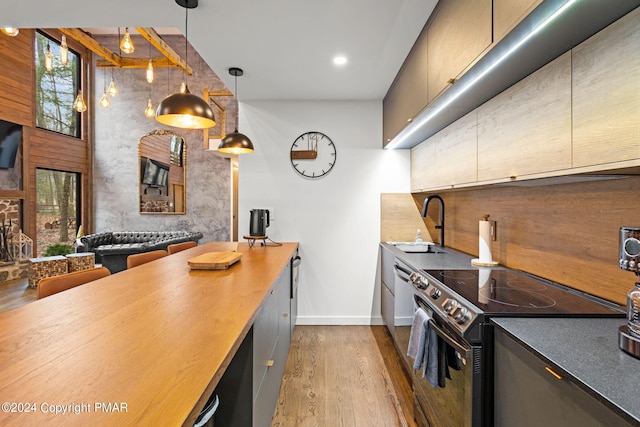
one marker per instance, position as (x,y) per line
(57,208)
(56,89)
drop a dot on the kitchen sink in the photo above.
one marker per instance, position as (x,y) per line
(413,247)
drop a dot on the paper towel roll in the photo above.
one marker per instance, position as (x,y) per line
(485,242)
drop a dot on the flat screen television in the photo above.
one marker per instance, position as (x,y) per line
(10,137)
(155,173)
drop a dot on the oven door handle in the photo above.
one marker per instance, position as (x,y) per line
(459,347)
(399,270)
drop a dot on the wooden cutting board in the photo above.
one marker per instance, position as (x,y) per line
(214,260)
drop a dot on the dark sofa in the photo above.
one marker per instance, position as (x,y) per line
(112,248)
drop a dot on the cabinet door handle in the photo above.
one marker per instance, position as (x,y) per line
(270,363)
(554,373)
(286,315)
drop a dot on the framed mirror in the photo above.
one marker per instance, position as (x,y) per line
(162,172)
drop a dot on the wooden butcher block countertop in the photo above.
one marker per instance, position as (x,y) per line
(144,347)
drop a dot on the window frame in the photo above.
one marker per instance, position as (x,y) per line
(78,84)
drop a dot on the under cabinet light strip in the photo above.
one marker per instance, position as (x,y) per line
(416,125)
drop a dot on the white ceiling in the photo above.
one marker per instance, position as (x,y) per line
(285,47)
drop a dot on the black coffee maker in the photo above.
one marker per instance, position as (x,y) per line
(259,222)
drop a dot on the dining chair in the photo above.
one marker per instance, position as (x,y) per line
(144,257)
(52,285)
(177,247)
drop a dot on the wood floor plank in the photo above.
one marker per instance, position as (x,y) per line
(339,376)
(15,293)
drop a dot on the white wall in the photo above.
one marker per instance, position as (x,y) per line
(336,218)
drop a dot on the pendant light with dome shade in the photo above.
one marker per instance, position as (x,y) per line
(183,109)
(235,142)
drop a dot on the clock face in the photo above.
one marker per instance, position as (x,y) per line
(313,154)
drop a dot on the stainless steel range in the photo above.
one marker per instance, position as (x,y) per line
(460,304)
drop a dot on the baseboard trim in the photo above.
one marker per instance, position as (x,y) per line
(339,320)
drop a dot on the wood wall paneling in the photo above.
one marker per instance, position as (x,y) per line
(16,82)
(41,148)
(606,94)
(400,219)
(566,233)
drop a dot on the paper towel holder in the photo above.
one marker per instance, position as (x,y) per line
(492,236)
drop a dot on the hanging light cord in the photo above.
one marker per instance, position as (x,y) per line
(186,47)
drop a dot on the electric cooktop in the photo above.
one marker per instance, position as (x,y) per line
(506,292)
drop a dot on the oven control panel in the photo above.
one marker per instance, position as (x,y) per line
(441,300)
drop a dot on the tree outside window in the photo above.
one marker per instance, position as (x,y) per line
(56,89)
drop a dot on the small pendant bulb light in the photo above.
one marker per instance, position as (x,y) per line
(150,67)
(149,111)
(236,142)
(48,59)
(104,100)
(126,45)
(150,71)
(79,104)
(113,89)
(183,109)
(64,51)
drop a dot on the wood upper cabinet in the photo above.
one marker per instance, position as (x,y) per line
(448,158)
(408,94)
(508,13)
(423,164)
(457,152)
(527,128)
(459,32)
(606,95)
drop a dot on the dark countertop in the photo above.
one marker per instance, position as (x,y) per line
(586,350)
(450,260)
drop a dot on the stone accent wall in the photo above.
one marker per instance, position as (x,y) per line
(10,210)
(17,270)
(118,129)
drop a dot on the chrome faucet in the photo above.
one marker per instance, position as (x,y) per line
(424,215)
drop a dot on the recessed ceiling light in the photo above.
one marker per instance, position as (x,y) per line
(340,60)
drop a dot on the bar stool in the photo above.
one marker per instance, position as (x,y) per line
(138,259)
(52,285)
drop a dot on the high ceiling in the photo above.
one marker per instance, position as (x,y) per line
(285,47)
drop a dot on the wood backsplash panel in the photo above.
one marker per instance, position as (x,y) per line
(567,233)
(400,219)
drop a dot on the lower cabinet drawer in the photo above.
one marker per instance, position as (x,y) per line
(266,396)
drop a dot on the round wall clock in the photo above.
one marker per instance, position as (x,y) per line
(313,154)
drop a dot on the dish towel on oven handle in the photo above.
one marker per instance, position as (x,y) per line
(447,358)
(429,351)
(418,337)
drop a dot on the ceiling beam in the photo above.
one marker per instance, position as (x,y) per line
(90,43)
(111,59)
(152,37)
(136,63)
